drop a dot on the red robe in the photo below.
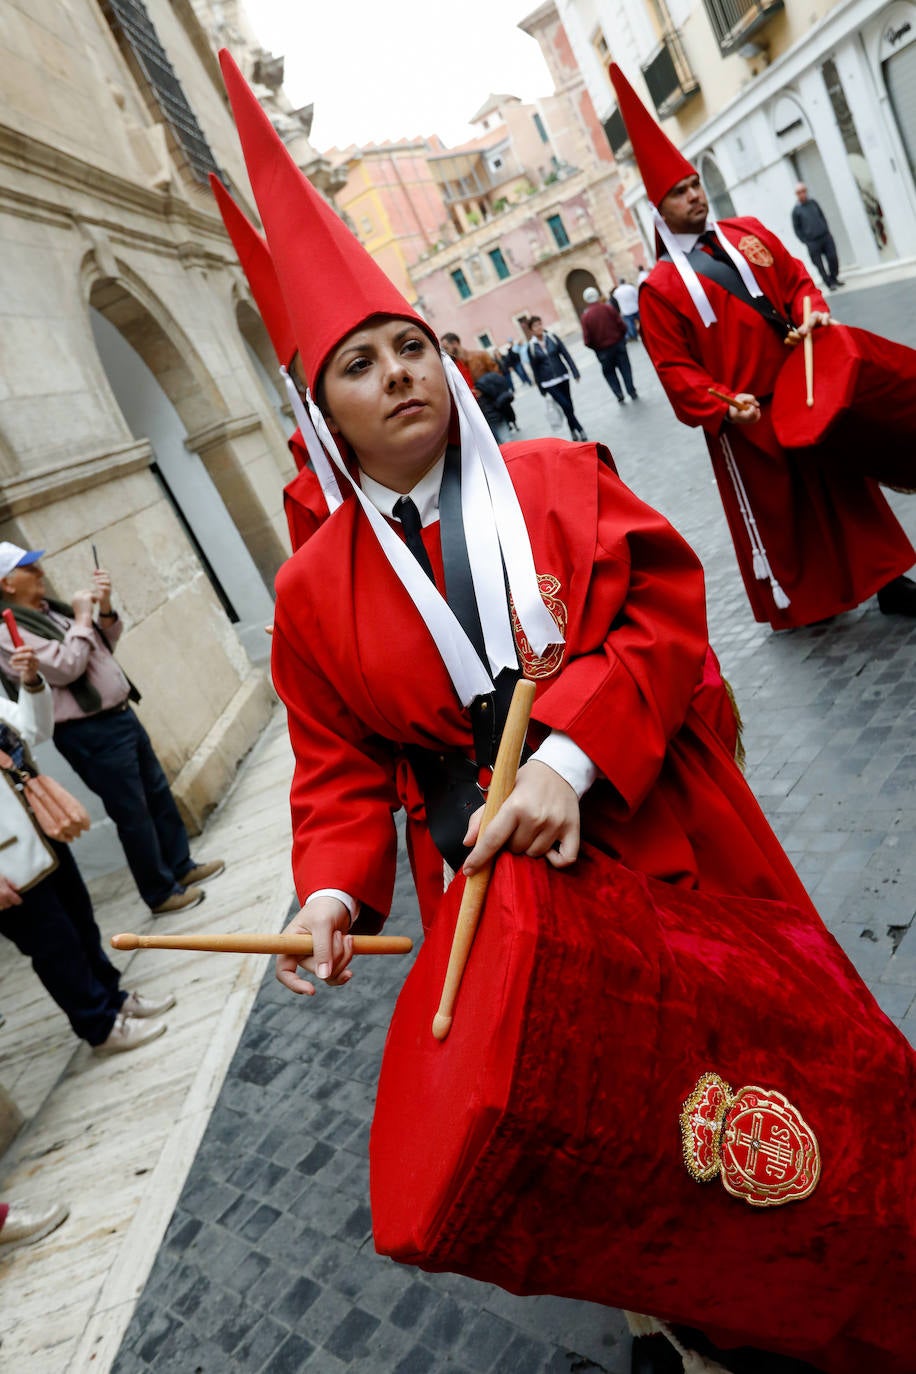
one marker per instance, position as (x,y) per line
(830,536)
(671,804)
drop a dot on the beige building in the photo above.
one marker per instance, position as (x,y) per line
(760,94)
(535,209)
(139,409)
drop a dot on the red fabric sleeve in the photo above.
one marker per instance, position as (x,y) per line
(622,700)
(343,794)
(668,336)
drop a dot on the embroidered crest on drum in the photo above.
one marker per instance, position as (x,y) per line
(754,1139)
(542,665)
(755,251)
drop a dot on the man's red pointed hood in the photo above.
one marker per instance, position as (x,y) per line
(661,165)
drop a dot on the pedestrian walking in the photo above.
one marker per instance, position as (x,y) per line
(513,358)
(605,332)
(626,296)
(810,225)
(96,729)
(553,370)
(494,396)
(813,534)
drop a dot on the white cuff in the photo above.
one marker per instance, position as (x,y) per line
(349,902)
(566,758)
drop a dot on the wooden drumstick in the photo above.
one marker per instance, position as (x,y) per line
(475,889)
(809,354)
(251,942)
(732,400)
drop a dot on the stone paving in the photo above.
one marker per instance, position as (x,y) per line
(268,1266)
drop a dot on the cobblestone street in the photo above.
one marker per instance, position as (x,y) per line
(268,1265)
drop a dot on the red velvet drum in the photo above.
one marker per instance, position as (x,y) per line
(540,1146)
(864,400)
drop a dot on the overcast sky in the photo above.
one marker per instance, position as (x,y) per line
(378,69)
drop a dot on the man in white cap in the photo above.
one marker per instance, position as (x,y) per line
(96,730)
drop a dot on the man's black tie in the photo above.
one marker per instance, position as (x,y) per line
(710,240)
(405,511)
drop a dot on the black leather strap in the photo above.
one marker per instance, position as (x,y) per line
(720,269)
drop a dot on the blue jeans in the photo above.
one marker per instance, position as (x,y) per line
(56,929)
(614,360)
(114,757)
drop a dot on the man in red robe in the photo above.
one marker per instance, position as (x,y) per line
(812,535)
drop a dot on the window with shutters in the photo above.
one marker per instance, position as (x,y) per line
(141,47)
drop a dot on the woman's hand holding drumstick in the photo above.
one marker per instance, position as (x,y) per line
(479,863)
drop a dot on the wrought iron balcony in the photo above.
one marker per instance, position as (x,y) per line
(668,76)
(616,133)
(734,21)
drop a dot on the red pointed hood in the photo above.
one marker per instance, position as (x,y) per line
(329,282)
(254,257)
(661,165)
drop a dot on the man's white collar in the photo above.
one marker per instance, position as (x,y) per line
(677,250)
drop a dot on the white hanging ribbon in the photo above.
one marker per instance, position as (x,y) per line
(319,459)
(761,563)
(689,276)
(496,537)
(465,669)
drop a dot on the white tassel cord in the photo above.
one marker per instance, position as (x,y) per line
(693,1362)
(761,563)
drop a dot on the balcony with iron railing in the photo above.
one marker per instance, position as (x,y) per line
(669,77)
(734,22)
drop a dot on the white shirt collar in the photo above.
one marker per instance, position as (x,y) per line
(425,495)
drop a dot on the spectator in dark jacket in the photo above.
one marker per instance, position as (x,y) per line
(604,330)
(810,225)
(494,396)
(553,367)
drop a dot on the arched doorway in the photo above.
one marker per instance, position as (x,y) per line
(897,57)
(796,140)
(162,400)
(264,361)
(577,282)
(723,207)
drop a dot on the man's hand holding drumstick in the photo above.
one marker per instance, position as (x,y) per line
(743,409)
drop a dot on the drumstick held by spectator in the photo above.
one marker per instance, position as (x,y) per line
(13,628)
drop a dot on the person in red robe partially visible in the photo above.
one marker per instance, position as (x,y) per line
(812,535)
(448,570)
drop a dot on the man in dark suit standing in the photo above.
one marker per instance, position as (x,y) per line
(810,225)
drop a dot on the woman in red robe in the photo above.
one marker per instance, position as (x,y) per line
(394,636)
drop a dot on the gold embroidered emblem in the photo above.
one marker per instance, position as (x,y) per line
(542,665)
(755,1140)
(755,251)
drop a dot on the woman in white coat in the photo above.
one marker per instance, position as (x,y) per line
(45,908)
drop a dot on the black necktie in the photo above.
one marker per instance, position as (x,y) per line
(405,511)
(710,240)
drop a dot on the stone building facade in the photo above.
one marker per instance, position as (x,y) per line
(138,405)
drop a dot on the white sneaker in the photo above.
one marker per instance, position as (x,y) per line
(137,1005)
(128,1033)
(24,1225)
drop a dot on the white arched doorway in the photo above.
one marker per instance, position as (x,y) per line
(185,481)
(720,201)
(795,139)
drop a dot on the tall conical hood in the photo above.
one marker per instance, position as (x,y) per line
(255,260)
(660,163)
(329,282)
